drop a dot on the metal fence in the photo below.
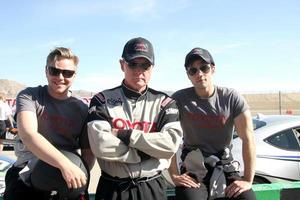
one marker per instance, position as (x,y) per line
(274,103)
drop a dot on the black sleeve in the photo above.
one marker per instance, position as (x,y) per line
(168,113)
(97,109)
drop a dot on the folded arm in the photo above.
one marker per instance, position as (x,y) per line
(107,146)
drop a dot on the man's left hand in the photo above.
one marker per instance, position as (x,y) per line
(237,187)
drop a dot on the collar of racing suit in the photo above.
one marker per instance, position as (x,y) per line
(131,94)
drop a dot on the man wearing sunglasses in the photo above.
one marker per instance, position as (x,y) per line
(50,119)
(133,130)
(208,114)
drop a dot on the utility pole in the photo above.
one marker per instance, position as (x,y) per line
(279,97)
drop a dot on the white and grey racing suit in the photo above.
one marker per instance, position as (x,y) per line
(151,131)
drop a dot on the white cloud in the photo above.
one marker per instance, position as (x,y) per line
(132,9)
(128,7)
(137,7)
(62,42)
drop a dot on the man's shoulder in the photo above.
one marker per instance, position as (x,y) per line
(228,93)
(36,88)
(165,98)
(226,90)
(78,100)
(32,91)
(183,92)
(101,97)
(157,92)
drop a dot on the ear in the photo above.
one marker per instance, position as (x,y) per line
(74,76)
(187,73)
(213,69)
(122,64)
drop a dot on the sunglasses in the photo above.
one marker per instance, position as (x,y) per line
(144,66)
(56,72)
(204,69)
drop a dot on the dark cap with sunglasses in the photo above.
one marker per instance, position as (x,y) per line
(197,53)
(136,48)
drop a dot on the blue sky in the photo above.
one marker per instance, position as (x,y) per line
(255,43)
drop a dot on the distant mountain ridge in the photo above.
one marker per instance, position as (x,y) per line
(11,88)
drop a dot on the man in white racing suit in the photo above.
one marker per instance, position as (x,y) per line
(133,130)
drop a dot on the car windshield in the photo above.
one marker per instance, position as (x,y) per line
(256,125)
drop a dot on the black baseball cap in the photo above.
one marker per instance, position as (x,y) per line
(198,53)
(138,47)
(47,178)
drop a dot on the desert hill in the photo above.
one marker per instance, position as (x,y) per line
(12,88)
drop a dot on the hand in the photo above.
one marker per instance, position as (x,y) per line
(185,180)
(73,175)
(237,187)
(13,131)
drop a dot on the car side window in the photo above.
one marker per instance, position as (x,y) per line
(284,140)
(297,132)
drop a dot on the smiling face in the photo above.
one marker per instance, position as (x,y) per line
(58,84)
(137,73)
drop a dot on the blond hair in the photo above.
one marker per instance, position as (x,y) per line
(61,53)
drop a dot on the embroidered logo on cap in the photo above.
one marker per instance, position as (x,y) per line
(197,51)
(141,47)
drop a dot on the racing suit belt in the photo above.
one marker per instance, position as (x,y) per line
(126,183)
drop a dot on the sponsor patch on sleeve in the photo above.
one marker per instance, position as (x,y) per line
(100,97)
(166,101)
(171,111)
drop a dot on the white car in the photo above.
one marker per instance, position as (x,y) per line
(277,139)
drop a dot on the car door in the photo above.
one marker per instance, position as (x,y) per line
(284,162)
(297,134)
